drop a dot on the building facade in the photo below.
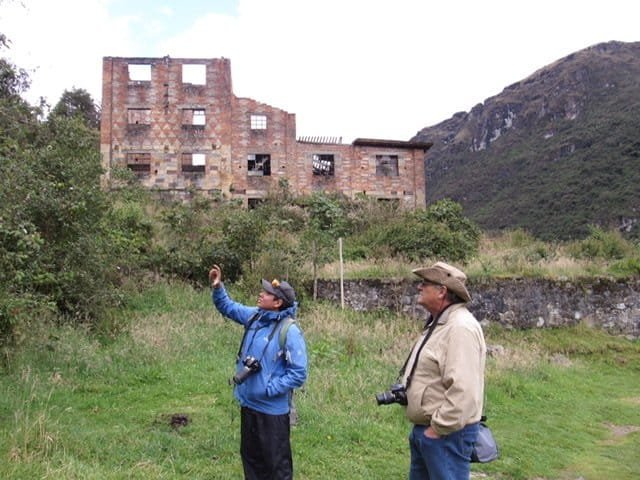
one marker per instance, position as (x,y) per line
(177,124)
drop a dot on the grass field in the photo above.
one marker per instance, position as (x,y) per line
(564,403)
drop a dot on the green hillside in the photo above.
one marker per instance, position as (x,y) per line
(551,154)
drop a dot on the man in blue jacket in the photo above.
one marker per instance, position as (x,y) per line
(266,374)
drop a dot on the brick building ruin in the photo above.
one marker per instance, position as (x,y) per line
(177,124)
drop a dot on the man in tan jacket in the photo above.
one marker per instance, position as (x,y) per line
(444,378)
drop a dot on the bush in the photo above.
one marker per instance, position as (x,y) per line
(50,191)
(280,258)
(607,245)
(438,231)
(628,267)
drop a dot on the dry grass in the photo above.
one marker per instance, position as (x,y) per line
(505,255)
(163,334)
(382,268)
(347,328)
(515,254)
(520,358)
(33,436)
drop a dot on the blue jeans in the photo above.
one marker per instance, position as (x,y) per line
(445,458)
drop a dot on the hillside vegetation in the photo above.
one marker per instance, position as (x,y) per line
(551,154)
(75,252)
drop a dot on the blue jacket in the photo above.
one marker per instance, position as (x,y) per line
(267,390)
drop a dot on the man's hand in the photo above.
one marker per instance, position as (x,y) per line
(215,276)
(430,433)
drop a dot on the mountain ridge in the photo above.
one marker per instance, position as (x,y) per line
(553,153)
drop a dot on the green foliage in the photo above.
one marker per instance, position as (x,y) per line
(327,220)
(608,245)
(78,102)
(182,247)
(66,246)
(628,267)
(13,80)
(243,233)
(51,207)
(18,119)
(129,233)
(282,215)
(280,258)
(327,213)
(438,231)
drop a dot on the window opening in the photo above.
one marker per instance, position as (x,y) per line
(323,164)
(254,202)
(140,163)
(258,164)
(258,122)
(387,165)
(139,72)
(194,116)
(193,162)
(391,202)
(194,74)
(139,116)
(198,159)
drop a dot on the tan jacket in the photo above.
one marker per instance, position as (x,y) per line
(447,389)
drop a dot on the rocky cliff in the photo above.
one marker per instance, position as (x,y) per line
(552,153)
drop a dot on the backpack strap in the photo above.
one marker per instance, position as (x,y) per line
(285,324)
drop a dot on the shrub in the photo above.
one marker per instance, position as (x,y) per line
(280,258)
(608,245)
(627,267)
(438,231)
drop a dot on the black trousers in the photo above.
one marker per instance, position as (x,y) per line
(265,446)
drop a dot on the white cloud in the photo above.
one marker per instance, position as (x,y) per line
(358,68)
(61,43)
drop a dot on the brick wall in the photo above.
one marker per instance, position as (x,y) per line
(176,135)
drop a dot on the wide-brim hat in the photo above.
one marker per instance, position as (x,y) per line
(281,290)
(447,275)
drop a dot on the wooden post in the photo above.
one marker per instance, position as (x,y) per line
(341,274)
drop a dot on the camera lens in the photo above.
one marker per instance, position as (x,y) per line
(397,394)
(240,377)
(251,366)
(385,398)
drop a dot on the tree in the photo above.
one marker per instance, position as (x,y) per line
(78,102)
(19,240)
(18,119)
(326,223)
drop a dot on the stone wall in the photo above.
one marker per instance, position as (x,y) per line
(520,303)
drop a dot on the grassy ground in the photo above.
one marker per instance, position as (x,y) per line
(517,254)
(564,404)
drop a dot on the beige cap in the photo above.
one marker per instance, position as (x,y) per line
(447,275)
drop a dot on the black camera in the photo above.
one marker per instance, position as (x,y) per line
(396,394)
(251,366)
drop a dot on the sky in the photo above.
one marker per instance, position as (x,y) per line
(346,68)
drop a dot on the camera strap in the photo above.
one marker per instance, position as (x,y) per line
(431,327)
(250,323)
